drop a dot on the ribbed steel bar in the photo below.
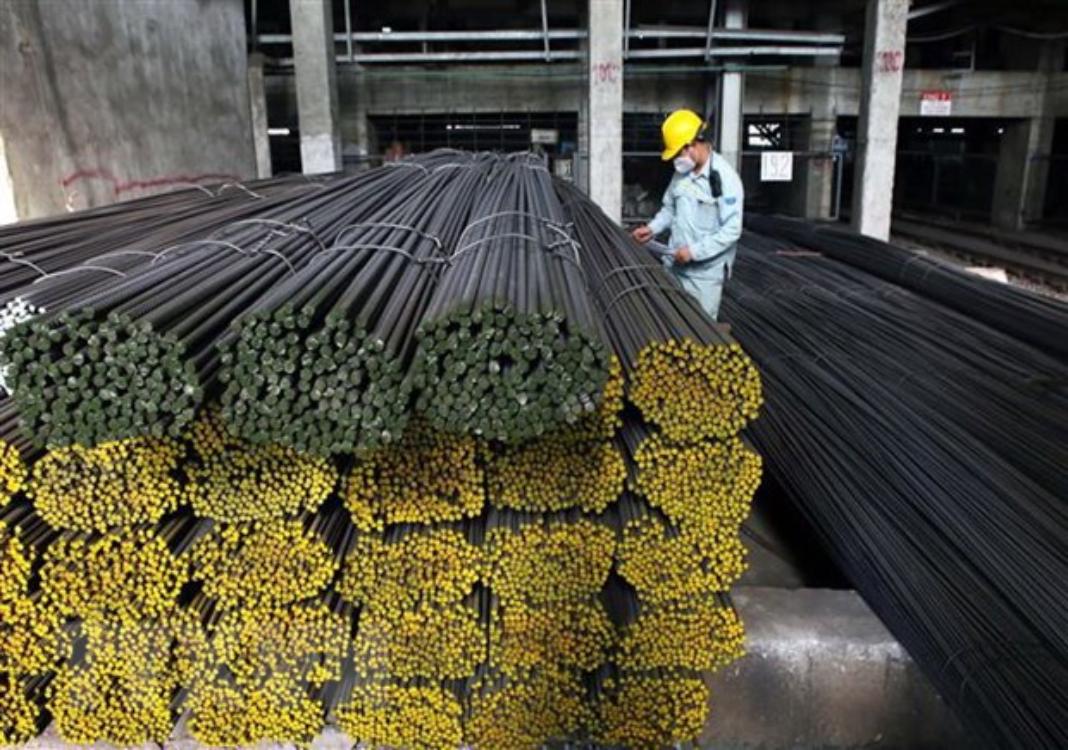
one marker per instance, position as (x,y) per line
(447,588)
(1030,317)
(322,363)
(134,353)
(927,448)
(509,345)
(682,372)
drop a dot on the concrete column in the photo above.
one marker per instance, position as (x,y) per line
(9,212)
(363,123)
(1024,156)
(880,103)
(712,84)
(316,79)
(581,165)
(732,91)
(819,169)
(605,108)
(257,95)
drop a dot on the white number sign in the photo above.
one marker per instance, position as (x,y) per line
(777,166)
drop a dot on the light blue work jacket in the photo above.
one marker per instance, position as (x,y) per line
(709,226)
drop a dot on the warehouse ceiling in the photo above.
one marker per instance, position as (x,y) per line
(975,34)
(1039,16)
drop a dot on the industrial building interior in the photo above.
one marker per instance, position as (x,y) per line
(190,190)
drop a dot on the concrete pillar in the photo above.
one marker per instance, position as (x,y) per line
(880,102)
(732,91)
(1024,156)
(363,123)
(8,210)
(257,95)
(581,164)
(316,79)
(712,84)
(605,108)
(818,201)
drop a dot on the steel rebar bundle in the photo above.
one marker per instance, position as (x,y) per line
(510,345)
(1025,315)
(322,362)
(106,242)
(135,353)
(503,620)
(682,372)
(234,520)
(928,449)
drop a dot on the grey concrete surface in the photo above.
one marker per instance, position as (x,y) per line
(559,87)
(880,105)
(316,82)
(1023,161)
(821,671)
(820,93)
(732,94)
(604,122)
(818,172)
(105,101)
(257,101)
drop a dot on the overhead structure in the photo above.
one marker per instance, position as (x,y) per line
(553,45)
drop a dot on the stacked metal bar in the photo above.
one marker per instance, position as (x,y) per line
(510,346)
(928,449)
(128,345)
(48,264)
(686,376)
(322,362)
(1022,314)
(310,548)
(690,481)
(33,250)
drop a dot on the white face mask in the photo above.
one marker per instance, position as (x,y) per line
(684,164)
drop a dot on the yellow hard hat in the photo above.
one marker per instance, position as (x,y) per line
(680,127)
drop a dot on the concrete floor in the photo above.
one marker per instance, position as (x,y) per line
(821,671)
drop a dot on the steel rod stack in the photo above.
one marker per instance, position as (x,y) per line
(510,345)
(322,362)
(1022,314)
(106,242)
(928,449)
(133,354)
(661,336)
(410,476)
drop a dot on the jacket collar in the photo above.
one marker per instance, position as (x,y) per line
(702,173)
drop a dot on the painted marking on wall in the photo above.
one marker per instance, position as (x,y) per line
(606,72)
(891,61)
(119,186)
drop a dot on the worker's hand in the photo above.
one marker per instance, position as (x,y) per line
(683,255)
(642,234)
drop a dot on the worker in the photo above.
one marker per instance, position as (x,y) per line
(703,209)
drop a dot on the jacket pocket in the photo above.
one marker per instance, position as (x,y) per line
(706,215)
